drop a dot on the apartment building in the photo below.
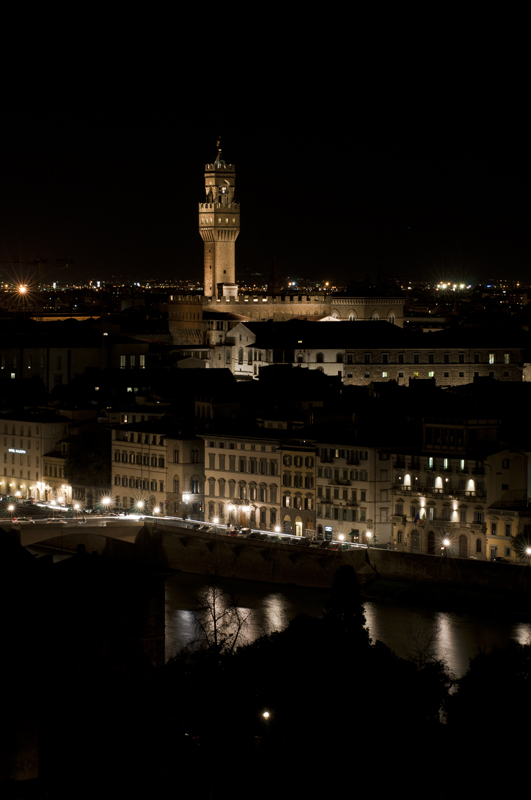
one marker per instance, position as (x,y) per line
(242,479)
(353,493)
(158,468)
(437,499)
(297,478)
(27,441)
(508,512)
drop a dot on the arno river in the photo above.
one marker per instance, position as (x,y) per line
(453,637)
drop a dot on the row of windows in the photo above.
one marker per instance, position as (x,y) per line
(342,494)
(21,444)
(429,513)
(233,446)
(53,471)
(329,453)
(132,361)
(342,514)
(297,461)
(430,374)
(257,516)
(298,481)
(30,362)
(21,460)
(345,475)
(257,466)
(138,483)
(139,458)
(446,359)
(21,433)
(243,491)
(297,501)
(139,438)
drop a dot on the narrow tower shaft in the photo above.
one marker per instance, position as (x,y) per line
(219,225)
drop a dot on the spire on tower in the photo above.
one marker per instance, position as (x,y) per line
(219,161)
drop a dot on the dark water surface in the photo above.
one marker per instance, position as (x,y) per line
(453,637)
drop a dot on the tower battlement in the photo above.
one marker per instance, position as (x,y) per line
(213,206)
(220,166)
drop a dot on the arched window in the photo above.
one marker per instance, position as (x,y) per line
(194,486)
(249,356)
(399,537)
(391,318)
(478,545)
(352,317)
(242,490)
(176,456)
(240,355)
(319,358)
(176,484)
(195,456)
(375,316)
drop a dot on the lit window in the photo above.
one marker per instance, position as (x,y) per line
(491,358)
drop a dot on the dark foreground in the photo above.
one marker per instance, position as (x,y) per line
(84,718)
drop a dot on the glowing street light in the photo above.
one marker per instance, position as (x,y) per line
(156,510)
(140,504)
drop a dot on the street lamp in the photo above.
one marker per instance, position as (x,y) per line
(368,536)
(446,543)
(156,510)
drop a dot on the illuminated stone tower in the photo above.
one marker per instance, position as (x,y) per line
(219,224)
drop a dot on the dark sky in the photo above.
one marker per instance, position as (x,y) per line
(403,160)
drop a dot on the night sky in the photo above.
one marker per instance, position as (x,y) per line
(408,160)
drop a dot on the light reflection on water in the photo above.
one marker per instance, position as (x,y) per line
(455,638)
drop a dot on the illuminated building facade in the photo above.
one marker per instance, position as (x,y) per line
(28,442)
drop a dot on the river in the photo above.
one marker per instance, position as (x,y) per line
(455,638)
